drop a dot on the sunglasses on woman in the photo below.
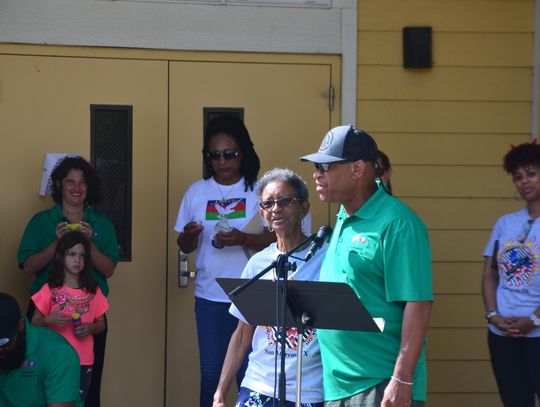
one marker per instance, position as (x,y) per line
(282,203)
(228,155)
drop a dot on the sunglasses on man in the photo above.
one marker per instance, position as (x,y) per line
(325,167)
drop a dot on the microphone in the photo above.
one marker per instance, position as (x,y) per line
(322,236)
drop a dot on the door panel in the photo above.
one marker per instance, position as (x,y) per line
(45,107)
(286,112)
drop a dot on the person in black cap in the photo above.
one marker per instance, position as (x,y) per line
(38,367)
(380,247)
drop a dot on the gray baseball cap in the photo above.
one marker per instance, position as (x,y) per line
(344,143)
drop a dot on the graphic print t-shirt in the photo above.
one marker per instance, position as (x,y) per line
(208,203)
(69,301)
(260,372)
(518,262)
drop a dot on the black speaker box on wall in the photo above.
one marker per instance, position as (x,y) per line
(417,47)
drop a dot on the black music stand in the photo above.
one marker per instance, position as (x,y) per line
(321,305)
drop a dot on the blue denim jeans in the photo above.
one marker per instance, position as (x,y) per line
(214,329)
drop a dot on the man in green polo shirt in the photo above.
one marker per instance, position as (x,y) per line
(38,367)
(380,247)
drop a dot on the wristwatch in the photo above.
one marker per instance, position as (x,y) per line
(535,319)
(492,313)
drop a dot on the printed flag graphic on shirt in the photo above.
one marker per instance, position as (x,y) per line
(518,265)
(234,208)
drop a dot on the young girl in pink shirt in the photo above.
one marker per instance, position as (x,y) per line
(71,303)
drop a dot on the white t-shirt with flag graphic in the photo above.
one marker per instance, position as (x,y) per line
(207,202)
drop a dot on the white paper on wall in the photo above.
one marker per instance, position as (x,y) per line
(49,164)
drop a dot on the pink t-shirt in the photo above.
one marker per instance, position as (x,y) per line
(73,300)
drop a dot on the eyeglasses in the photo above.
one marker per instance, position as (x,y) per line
(325,167)
(282,203)
(228,155)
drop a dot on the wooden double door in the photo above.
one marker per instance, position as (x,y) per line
(45,94)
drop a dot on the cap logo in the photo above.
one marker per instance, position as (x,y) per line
(327,140)
(3,341)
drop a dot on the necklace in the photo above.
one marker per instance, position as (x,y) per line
(224,196)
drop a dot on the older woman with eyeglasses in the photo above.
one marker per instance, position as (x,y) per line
(511,285)
(283,198)
(213,216)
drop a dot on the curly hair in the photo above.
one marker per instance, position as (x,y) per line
(93,184)
(56,275)
(286,176)
(523,155)
(234,127)
(383,161)
(382,165)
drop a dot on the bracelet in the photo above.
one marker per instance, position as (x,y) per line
(402,381)
(490,314)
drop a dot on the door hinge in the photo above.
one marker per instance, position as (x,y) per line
(331,96)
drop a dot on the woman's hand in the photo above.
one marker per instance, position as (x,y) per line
(519,326)
(61,229)
(503,324)
(192,230)
(188,239)
(57,319)
(515,327)
(234,237)
(86,229)
(219,399)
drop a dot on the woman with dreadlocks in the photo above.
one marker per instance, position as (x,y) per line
(213,220)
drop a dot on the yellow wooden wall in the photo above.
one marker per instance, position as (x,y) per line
(446,130)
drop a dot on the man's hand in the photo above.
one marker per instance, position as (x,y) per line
(397,395)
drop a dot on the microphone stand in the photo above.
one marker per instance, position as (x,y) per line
(282,266)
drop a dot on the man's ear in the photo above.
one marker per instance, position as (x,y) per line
(358,168)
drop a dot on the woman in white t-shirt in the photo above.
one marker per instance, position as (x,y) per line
(215,216)
(511,285)
(283,198)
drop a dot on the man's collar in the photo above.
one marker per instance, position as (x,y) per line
(370,208)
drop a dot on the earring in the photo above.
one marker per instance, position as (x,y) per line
(270,228)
